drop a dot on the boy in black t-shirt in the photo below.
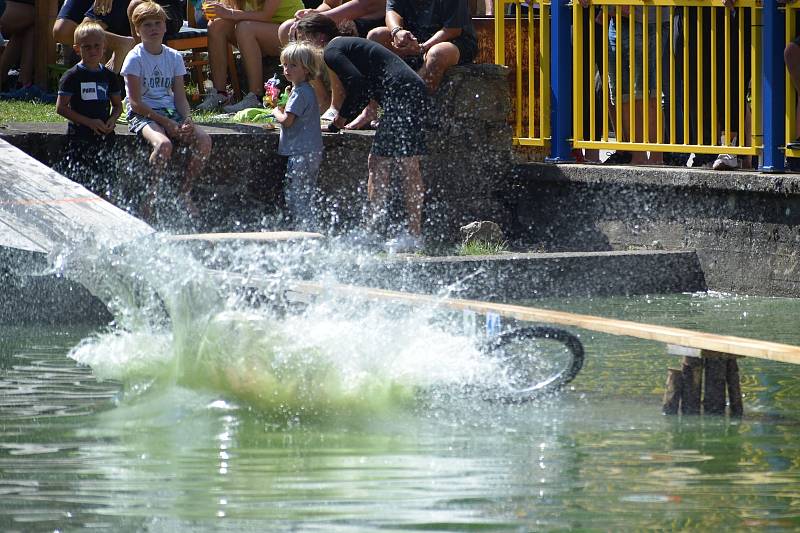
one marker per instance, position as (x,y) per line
(90,97)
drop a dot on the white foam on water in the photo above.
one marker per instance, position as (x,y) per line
(342,355)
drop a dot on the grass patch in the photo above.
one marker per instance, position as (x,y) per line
(18,111)
(482,248)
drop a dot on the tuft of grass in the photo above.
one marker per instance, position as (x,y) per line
(482,248)
(17,111)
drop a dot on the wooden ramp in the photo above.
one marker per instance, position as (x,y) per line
(41,210)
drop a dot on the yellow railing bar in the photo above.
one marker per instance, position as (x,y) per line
(727,70)
(714,103)
(742,94)
(642,147)
(755,92)
(791,112)
(618,85)
(631,76)
(544,70)
(590,79)
(605,74)
(499,33)
(531,78)
(672,120)
(659,79)
(518,64)
(645,76)
(700,102)
(577,72)
(685,21)
(676,3)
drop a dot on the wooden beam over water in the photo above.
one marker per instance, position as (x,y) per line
(694,339)
(41,210)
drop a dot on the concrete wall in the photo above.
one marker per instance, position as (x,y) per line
(469,161)
(745,226)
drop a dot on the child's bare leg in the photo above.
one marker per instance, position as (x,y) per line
(380,172)
(200,150)
(159,157)
(414,190)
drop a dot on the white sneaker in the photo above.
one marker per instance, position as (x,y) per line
(403,243)
(251,100)
(212,101)
(330,114)
(726,162)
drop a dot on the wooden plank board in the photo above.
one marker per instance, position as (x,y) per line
(694,339)
(41,210)
(726,344)
(258,236)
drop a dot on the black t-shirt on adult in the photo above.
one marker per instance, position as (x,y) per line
(366,69)
(423,18)
(90,93)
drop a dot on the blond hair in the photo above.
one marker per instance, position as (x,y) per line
(147,10)
(306,55)
(88,28)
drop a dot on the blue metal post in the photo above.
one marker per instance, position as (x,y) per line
(773,86)
(561,81)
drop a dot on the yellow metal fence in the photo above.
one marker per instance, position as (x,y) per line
(703,85)
(531,34)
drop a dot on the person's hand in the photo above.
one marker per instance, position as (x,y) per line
(186,129)
(584,3)
(730,4)
(300,13)
(97,126)
(217,10)
(102,7)
(111,123)
(404,39)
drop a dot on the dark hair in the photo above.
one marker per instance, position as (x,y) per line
(317,24)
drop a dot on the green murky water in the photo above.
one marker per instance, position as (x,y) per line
(80,453)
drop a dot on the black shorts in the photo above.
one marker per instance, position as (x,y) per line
(363,26)
(401,130)
(75,10)
(114,22)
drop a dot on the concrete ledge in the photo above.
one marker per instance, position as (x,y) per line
(744,226)
(524,276)
(33,298)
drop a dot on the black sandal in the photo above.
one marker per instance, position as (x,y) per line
(619,158)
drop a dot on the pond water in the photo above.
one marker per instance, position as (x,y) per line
(134,452)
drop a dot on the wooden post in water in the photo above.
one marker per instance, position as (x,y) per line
(704,379)
(673,391)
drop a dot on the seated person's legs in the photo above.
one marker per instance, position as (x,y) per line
(255,40)
(70,15)
(17,25)
(438,59)
(220,33)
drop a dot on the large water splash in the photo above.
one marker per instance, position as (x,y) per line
(179,323)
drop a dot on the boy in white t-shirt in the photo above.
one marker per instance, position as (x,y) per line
(157,106)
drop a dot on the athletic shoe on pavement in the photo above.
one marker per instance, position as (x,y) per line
(251,100)
(726,162)
(212,101)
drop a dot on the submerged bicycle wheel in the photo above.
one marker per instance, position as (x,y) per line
(536,360)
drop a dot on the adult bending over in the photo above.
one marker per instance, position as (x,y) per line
(253,28)
(367,71)
(365,14)
(431,36)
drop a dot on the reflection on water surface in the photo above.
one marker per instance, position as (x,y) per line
(76,452)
